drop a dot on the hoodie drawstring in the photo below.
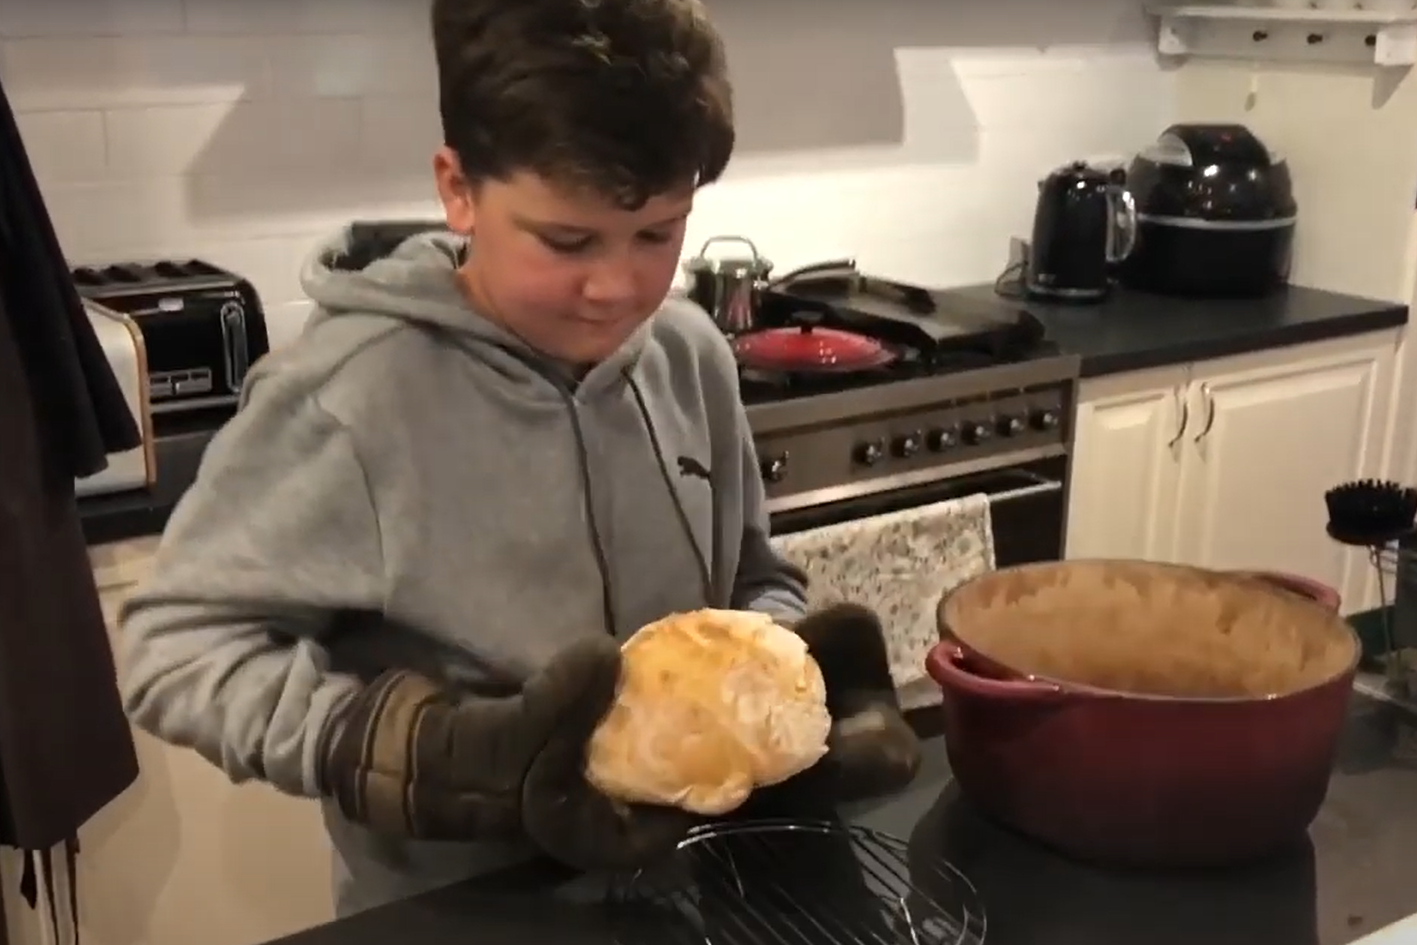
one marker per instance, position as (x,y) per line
(602,562)
(710,592)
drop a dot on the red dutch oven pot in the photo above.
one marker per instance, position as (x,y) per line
(1145,714)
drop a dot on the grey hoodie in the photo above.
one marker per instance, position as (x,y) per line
(409,464)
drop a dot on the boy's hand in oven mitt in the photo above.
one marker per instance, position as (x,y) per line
(871,749)
(411,758)
(576,824)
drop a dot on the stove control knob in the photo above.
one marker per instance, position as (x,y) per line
(1045,419)
(908,445)
(871,452)
(944,438)
(774,468)
(976,434)
(1010,425)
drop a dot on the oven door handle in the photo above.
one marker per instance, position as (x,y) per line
(1042,486)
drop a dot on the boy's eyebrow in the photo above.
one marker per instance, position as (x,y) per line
(543,226)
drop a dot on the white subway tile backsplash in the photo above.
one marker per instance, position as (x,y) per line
(115,218)
(312,135)
(64,147)
(239,139)
(223,16)
(106,72)
(400,133)
(341,64)
(304,16)
(299,202)
(89,17)
(285,320)
(281,256)
(160,140)
(354,64)
(244,131)
(177,215)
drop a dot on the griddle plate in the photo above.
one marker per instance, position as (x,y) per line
(798,883)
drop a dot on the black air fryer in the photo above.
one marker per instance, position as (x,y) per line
(1215,215)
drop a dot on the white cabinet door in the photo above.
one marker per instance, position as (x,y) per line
(186,856)
(122,563)
(1268,435)
(1124,472)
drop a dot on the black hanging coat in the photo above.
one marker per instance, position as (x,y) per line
(65,746)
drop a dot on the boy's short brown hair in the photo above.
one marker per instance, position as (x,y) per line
(628,98)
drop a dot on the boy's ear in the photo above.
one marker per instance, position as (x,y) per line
(458,194)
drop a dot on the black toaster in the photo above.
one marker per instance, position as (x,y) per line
(202,327)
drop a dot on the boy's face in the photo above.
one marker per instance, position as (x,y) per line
(568,272)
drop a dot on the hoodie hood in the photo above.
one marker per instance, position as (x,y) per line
(408,272)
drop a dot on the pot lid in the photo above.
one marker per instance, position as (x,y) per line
(810,348)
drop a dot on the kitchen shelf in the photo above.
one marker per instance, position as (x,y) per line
(1277,33)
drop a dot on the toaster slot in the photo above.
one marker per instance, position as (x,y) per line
(233,334)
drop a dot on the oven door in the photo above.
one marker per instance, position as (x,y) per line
(1027,508)
(898,552)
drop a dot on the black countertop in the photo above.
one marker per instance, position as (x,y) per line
(125,515)
(1127,332)
(1353,876)
(1132,330)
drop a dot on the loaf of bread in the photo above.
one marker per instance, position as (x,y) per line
(712,704)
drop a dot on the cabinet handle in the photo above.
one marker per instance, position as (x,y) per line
(1183,407)
(1209,413)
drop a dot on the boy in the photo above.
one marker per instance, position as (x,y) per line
(397,581)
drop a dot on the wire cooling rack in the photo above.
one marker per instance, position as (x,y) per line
(798,883)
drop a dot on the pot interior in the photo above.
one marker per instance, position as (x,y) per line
(1149,629)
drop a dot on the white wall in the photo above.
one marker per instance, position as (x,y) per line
(906,133)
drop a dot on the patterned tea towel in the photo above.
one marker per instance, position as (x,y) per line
(899,564)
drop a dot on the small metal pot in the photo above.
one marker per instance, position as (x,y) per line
(727,287)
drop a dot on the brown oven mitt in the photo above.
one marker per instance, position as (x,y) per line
(871,749)
(577,825)
(411,758)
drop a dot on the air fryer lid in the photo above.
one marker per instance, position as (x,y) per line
(1199,146)
(1217,173)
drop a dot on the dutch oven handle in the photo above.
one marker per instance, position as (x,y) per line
(948,665)
(1316,591)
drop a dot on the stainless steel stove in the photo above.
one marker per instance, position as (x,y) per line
(956,413)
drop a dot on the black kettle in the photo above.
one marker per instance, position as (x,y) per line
(1084,225)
